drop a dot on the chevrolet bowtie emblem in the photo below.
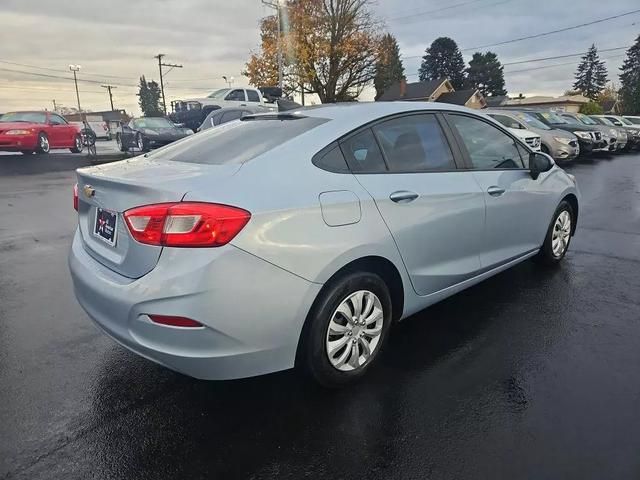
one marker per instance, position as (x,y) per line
(89,191)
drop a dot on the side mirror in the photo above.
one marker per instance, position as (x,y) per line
(539,163)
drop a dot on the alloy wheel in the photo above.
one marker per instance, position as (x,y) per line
(44,144)
(354,331)
(561,234)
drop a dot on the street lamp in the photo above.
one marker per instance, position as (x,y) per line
(277,4)
(74,69)
(229,80)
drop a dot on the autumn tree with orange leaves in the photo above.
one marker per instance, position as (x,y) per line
(329,46)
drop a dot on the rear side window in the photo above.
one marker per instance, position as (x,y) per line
(362,153)
(231,115)
(238,142)
(331,159)
(252,96)
(414,143)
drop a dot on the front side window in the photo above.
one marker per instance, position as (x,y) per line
(414,143)
(57,120)
(362,153)
(236,95)
(487,146)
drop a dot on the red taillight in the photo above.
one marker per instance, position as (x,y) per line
(75,197)
(173,321)
(186,224)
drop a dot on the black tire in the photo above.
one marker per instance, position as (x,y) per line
(78,144)
(546,255)
(121,146)
(43,143)
(313,356)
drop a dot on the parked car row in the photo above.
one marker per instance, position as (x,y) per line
(565,136)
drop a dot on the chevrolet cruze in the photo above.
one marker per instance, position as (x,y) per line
(299,238)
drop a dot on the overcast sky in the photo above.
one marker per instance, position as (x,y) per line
(115,40)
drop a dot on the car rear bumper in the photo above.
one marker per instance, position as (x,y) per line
(15,143)
(252,311)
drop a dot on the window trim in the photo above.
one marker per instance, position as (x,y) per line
(449,139)
(465,153)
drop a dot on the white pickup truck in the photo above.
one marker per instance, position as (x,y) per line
(233,97)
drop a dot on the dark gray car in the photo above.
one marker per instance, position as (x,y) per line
(224,115)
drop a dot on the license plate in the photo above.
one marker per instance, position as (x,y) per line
(105,226)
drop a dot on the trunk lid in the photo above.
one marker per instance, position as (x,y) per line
(120,186)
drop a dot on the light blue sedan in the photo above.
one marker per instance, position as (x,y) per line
(299,238)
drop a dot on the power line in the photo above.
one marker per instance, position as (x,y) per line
(517,62)
(435,10)
(557,65)
(61,70)
(565,29)
(412,18)
(46,75)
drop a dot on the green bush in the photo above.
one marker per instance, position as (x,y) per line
(591,108)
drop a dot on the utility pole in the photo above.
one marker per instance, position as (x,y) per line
(75,69)
(55,107)
(160,65)
(277,6)
(109,87)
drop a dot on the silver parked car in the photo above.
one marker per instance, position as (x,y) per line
(563,146)
(222,258)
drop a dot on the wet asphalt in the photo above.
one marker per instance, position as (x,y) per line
(533,374)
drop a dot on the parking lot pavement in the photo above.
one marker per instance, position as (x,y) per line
(532,374)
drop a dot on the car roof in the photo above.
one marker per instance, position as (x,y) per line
(351,115)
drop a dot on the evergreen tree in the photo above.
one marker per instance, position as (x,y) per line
(389,69)
(630,80)
(443,59)
(591,76)
(485,73)
(149,98)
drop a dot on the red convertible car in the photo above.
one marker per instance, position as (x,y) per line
(39,132)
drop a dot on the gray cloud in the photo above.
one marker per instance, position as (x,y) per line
(120,37)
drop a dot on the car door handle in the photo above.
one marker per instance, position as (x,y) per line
(495,191)
(403,196)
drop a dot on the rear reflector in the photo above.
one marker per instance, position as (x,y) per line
(75,197)
(186,224)
(175,321)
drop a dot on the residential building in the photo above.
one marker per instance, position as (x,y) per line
(565,103)
(470,98)
(417,91)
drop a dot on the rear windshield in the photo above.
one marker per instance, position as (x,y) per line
(238,141)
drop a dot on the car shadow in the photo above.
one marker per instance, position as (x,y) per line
(149,422)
